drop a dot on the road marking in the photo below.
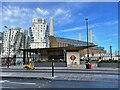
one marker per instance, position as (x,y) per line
(7,87)
(3,81)
(22,83)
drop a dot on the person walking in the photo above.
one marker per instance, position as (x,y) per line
(7,62)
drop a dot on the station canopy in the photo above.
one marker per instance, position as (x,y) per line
(51,49)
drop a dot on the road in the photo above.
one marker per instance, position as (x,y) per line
(64,78)
(36,83)
(113,72)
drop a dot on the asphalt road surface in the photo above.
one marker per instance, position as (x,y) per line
(36,83)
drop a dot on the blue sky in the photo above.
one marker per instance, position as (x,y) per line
(69,19)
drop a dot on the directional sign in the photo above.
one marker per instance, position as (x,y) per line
(72,57)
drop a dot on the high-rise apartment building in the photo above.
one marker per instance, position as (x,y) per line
(39,37)
(13,40)
(1,38)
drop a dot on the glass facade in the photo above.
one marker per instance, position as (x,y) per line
(62,42)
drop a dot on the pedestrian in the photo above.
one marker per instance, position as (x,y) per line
(7,62)
(87,65)
(26,61)
(14,60)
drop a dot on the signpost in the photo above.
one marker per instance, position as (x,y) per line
(72,57)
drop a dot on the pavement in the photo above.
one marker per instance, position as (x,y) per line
(61,73)
(61,68)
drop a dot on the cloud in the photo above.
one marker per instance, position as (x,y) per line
(11,20)
(90,26)
(8,12)
(60,11)
(107,40)
(42,12)
(6,18)
(107,23)
(73,29)
(111,22)
(113,35)
(14,14)
(77,28)
(61,15)
(19,16)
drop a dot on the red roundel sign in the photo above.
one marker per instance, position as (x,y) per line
(72,57)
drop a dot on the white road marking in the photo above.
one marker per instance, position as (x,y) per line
(22,83)
(8,87)
(3,81)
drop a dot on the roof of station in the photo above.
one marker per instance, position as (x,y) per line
(69,48)
(79,43)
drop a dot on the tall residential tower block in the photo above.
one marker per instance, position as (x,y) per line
(13,42)
(39,37)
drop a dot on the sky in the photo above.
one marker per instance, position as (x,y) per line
(69,19)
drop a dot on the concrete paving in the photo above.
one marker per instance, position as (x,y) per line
(62,76)
(61,68)
(59,76)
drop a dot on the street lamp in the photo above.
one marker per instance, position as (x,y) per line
(87,38)
(8,48)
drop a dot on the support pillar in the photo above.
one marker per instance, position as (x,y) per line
(24,56)
(27,54)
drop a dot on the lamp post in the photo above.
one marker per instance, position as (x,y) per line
(8,48)
(87,38)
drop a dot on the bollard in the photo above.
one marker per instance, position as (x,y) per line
(52,67)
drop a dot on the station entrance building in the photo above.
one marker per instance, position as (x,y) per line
(70,54)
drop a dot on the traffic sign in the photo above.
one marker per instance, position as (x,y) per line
(72,57)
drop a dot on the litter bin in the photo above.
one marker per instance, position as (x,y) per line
(87,65)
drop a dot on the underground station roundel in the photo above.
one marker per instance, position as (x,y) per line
(72,57)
